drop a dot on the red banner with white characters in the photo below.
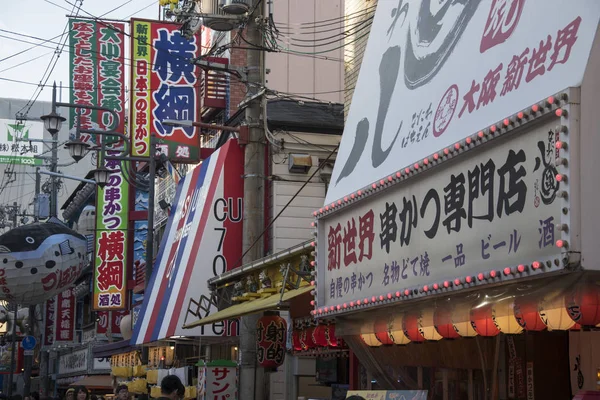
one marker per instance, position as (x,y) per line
(65,317)
(103,317)
(49,321)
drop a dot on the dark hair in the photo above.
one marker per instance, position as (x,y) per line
(82,389)
(16,397)
(121,387)
(34,395)
(171,384)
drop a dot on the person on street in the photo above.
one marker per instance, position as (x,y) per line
(122,392)
(70,395)
(171,388)
(81,393)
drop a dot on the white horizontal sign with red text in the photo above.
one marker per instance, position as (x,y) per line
(435,72)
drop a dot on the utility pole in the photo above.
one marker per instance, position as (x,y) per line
(252,377)
(14,214)
(53,168)
(13,351)
(38,185)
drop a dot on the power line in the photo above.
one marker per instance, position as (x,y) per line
(30,48)
(266,229)
(26,62)
(310,25)
(51,65)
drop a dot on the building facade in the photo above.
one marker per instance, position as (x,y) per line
(454,246)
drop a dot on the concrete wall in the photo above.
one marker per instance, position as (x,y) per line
(319,75)
(293,226)
(357,14)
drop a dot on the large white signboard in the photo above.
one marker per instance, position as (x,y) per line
(74,362)
(435,72)
(495,207)
(14,145)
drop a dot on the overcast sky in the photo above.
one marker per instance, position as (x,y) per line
(42,19)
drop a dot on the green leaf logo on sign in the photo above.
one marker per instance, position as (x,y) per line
(14,129)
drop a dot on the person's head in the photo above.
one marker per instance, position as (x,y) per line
(34,395)
(122,392)
(172,387)
(70,395)
(81,393)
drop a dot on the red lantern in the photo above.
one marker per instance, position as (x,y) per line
(296,343)
(442,319)
(306,339)
(410,325)
(332,340)
(527,315)
(482,321)
(319,336)
(583,304)
(381,332)
(271,334)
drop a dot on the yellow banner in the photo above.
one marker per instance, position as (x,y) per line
(141,88)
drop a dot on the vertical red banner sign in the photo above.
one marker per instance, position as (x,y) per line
(65,317)
(49,321)
(103,316)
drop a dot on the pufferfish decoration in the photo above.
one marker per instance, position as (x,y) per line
(39,261)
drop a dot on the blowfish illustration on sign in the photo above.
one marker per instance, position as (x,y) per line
(38,261)
(430,40)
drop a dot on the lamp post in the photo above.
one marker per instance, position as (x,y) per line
(79,149)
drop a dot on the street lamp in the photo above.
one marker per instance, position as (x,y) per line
(77,149)
(53,122)
(101,175)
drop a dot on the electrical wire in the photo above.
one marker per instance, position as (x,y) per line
(340,34)
(71,47)
(266,229)
(50,68)
(310,25)
(366,24)
(26,62)
(30,48)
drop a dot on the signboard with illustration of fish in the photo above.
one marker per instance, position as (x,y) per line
(39,261)
(435,72)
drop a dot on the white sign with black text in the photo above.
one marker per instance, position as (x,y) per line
(491,208)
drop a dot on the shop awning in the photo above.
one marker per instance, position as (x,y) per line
(250,307)
(94,382)
(111,349)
